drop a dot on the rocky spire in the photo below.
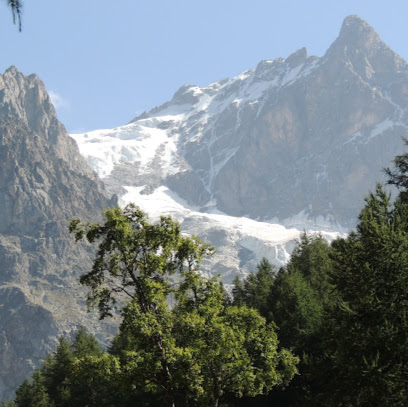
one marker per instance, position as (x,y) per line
(357,33)
(359,47)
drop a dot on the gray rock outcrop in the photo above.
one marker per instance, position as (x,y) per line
(301,137)
(317,137)
(44,182)
(297,142)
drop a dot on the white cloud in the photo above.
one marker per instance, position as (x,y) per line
(58,101)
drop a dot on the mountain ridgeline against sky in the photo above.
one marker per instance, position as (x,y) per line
(297,141)
(43,183)
(246,163)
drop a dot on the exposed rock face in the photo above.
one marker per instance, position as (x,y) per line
(316,139)
(297,141)
(301,137)
(43,183)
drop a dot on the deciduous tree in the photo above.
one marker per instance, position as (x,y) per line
(200,348)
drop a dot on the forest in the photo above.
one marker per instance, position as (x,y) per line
(328,329)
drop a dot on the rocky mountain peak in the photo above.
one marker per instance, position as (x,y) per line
(318,114)
(43,183)
(361,50)
(297,58)
(24,97)
(186,95)
(357,32)
(12,70)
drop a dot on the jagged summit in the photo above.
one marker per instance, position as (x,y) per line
(236,137)
(12,70)
(297,58)
(361,50)
(356,30)
(356,36)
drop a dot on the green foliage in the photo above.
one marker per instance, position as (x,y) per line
(398,175)
(55,370)
(295,308)
(311,258)
(34,394)
(219,355)
(134,257)
(369,347)
(92,379)
(294,299)
(197,352)
(152,358)
(234,347)
(341,308)
(254,290)
(95,381)
(85,344)
(137,258)
(23,394)
(300,292)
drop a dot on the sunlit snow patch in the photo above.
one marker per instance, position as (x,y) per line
(134,143)
(230,234)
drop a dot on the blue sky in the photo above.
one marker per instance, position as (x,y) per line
(104,62)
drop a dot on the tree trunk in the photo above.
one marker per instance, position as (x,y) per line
(216,393)
(170,399)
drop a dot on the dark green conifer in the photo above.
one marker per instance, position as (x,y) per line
(85,344)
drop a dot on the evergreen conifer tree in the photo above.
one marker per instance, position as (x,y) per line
(368,339)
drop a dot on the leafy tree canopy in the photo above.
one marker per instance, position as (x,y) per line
(200,348)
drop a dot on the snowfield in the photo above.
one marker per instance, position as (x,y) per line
(154,143)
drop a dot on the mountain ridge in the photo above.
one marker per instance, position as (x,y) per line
(297,141)
(246,163)
(44,182)
(280,105)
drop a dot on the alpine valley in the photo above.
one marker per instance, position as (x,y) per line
(246,164)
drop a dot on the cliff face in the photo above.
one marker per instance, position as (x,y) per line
(298,142)
(296,138)
(315,140)
(43,183)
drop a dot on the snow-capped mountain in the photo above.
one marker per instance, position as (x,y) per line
(296,142)
(245,163)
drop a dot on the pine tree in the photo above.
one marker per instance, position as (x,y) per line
(39,396)
(55,371)
(254,290)
(368,339)
(85,344)
(24,394)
